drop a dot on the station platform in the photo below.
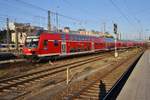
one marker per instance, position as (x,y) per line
(137,86)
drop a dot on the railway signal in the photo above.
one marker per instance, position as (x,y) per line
(115,28)
(115,32)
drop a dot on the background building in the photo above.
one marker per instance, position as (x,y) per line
(21,30)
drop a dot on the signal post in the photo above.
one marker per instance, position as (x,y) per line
(115,32)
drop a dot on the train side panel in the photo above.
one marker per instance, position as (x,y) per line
(58,44)
(49,44)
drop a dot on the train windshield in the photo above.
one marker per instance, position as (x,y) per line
(32,42)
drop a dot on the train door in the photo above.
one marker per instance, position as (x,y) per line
(63,48)
(106,45)
(93,46)
(63,44)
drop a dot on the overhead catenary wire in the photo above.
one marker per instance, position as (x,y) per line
(19,9)
(134,14)
(21,19)
(28,13)
(32,6)
(120,11)
(45,10)
(138,21)
(83,10)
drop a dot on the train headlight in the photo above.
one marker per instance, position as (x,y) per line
(29,50)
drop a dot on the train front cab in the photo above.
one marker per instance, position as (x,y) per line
(31,47)
(44,46)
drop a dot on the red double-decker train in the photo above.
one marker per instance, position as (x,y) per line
(45,44)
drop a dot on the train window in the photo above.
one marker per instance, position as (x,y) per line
(76,37)
(56,43)
(21,46)
(80,38)
(45,43)
(63,36)
(31,42)
(13,46)
(84,38)
(71,37)
(87,38)
(4,46)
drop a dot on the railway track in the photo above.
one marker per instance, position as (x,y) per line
(12,61)
(15,68)
(98,87)
(19,83)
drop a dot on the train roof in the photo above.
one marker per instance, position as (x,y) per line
(39,32)
(107,38)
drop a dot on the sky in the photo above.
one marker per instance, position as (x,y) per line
(131,16)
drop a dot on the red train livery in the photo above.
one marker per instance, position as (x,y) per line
(62,44)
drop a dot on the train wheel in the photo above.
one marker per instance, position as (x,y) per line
(33,59)
(54,58)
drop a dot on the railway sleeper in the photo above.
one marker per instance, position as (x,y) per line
(3,84)
(91,93)
(87,97)
(98,90)
(14,88)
